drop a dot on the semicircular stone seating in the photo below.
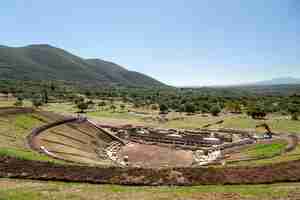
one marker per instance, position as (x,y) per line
(79,141)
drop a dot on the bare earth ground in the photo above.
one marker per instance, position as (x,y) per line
(156,156)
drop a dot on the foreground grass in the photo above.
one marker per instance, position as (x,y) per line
(22,189)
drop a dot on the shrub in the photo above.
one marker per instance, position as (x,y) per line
(215,110)
(163,108)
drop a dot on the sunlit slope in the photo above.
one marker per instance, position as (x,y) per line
(76,141)
(45,62)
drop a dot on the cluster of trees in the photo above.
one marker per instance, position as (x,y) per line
(189,100)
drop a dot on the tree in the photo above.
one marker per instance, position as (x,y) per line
(122,106)
(37,102)
(204,107)
(153,107)
(295,116)
(78,100)
(45,96)
(52,86)
(215,110)
(293,111)
(88,93)
(19,102)
(163,108)
(102,104)
(233,107)
(189,108)
(90,104)
(256,111)
(113,107)
(82,107)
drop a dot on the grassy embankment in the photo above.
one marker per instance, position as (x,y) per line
(14,129)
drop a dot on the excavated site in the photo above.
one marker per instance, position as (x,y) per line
(84,141)
(131,155)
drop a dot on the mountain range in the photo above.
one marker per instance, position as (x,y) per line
(45,62)
(279,81)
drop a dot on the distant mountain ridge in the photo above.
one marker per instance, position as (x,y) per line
(272,82)
(279,81)
(45,62)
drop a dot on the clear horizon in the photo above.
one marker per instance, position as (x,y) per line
(177,42)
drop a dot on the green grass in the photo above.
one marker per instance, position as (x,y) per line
(10,102)
(241,122)
(109,114)
(15,128)
(13,132)
(285,125)
(19,194)
(190,122)
(27,155)
(26,121)
(266,150)
(19,126)
(290,156)
(62,108)
(277,125)
(243,190)
(26,189)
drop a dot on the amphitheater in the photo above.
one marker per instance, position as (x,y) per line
(97,153)
(81,140)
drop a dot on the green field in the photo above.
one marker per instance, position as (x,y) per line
(13,132)
(177,120)
(276,124)
(24,189)
(266,150)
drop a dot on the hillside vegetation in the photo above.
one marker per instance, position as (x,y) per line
(44,62)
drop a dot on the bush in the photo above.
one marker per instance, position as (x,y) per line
(113,107)
(163,108)
(215,110)
(295,116)
(78,100)
(294,111)
(37,103)
(256,111)
(189,108)
(19,102)
(82,107)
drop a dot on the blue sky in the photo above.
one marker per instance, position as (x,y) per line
(180,42)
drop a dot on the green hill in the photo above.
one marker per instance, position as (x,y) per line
(44,62)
